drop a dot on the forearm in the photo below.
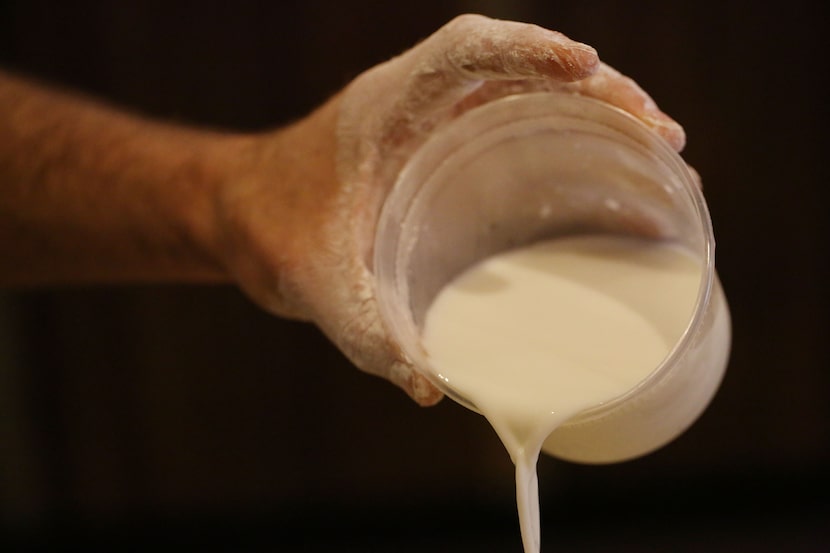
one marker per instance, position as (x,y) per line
(88,193)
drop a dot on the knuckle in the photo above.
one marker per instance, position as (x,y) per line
(465,21)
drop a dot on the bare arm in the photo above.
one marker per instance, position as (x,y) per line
(92,193)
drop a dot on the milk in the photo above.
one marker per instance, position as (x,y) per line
(533,336)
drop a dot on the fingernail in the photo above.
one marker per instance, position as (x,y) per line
(585,49)
(424,392)
(669,129)
(579,60)
(416,385)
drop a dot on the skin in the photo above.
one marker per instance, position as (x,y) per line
(90,193)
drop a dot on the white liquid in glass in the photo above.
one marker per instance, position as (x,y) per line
(533,336)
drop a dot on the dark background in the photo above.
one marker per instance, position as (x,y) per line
(143,417)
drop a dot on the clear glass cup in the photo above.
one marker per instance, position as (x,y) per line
(534,167)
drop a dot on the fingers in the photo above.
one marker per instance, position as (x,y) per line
(475,47)
(610,86)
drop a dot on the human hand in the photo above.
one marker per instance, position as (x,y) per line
(301,245)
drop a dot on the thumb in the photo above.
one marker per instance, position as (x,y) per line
(415,384)
(366,342)
(347,313)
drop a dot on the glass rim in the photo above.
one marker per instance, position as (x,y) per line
(478,123)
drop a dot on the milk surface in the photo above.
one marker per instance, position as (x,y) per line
(533,336)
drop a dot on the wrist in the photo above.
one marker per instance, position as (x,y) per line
(212,168)
(274,193)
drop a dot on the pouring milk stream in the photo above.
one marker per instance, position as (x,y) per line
(536,335)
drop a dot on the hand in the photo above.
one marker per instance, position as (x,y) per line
(303,250)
